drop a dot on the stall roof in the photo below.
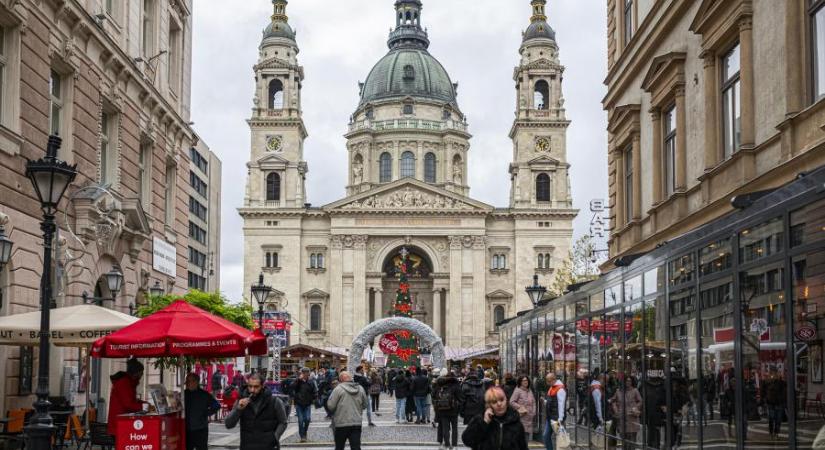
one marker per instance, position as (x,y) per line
(328,351)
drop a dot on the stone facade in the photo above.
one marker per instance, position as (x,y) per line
(408,142)
(204,271)
(114,83)
(691,59)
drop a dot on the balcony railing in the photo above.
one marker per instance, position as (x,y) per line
(407,124)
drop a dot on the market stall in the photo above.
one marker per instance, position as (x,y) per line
(179,330)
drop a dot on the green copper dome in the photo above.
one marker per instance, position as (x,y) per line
(408,72)
(279,29)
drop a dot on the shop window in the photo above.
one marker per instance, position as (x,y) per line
(315,318)
(731,108)
(761,241)
(613,296)
(633,289)
(681,270)
(652,283)
(715,257)
(807,224)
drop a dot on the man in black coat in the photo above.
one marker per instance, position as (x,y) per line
(420,389)
(364,382)
(199,406)
(447,400)
(261,416)
(303,394)
(472,394)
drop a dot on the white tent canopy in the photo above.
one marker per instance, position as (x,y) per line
(72,326)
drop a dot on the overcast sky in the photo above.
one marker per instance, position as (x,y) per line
(477,41)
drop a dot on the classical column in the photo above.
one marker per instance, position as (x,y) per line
(711,145)
(618,160)
(746,77)
(681,140)
(437,311)
(479,305)
(336,298)
(794,28)
(658,167)
(454,301)
(378,304)
(359,273)
(637,177)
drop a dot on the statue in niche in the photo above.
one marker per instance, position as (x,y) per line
(357,172)
(457,177)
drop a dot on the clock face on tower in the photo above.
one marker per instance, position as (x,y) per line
(273,143)
(543,145)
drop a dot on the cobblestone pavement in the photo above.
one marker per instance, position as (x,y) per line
(385,435)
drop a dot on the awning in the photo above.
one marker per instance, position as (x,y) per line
(72,326)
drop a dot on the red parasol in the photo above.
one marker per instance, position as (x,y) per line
(181,329)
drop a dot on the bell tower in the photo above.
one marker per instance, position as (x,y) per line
(276,168)
(539,171)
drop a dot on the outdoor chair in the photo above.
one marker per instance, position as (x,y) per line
(99,437)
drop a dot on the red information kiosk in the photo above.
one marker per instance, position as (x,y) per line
(180,329)
(150,432)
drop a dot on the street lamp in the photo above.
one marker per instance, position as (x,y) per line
(50,178)
(536,291)
(114,280)
(261,292)
(156,290)
(5,247)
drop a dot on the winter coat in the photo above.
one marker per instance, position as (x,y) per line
(262,422)
(524,398)
(472,393)
(421,385)
(627,404)
(655,398)
(199,406)
(509,387)
(502,433)
(376,385)
(448,385)
(122,399)
(347,402)
(303,392)
(774,392)
(402,387)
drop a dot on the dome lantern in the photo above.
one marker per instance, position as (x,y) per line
(539,29)
(279,27)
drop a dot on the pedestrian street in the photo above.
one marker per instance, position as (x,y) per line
(386,434)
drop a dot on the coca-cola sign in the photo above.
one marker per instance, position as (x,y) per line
(388,344)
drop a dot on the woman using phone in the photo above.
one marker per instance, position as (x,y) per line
(498,427)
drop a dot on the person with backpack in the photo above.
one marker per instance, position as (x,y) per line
(376,386)
(472,393)
(524,402)
(447,399)
(420,389)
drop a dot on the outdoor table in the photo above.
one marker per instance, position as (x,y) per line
(152,431)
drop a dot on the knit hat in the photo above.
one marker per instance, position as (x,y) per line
(133,367)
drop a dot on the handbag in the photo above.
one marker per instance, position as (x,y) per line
(562,438)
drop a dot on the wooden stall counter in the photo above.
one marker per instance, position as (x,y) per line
(150,431)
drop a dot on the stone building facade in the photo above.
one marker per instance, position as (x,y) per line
(113,79)
(707,100)
(333,267)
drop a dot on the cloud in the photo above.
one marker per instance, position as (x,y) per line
(477,41)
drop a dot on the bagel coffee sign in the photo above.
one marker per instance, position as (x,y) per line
(388,344)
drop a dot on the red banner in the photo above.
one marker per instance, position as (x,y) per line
(388,344)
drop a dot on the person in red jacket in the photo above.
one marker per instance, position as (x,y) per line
(123,396)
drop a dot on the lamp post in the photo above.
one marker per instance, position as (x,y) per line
(50,178)
(5,250)
(157,290)
(261,293)
(114,281)
(536,291)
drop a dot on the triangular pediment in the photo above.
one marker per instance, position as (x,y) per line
(544,160)
(408,195)
(315,293)
(273,63)
(498,293)
(272,161)
(542,63)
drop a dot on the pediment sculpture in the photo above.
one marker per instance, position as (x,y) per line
(407,198)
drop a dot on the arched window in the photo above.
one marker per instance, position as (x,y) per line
(543,188)
(541,95)
(385,168)
(498,314)
(409,73)
(407,164)
(313,261)
(273,187)
(320,260)
(315,318)
(429,168)
(276,94)
(541,261)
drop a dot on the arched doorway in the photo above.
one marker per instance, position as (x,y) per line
(419,277)
(425,334)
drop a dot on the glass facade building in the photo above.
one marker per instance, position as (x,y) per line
(720,331)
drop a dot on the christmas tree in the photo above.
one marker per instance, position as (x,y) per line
(407,354)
